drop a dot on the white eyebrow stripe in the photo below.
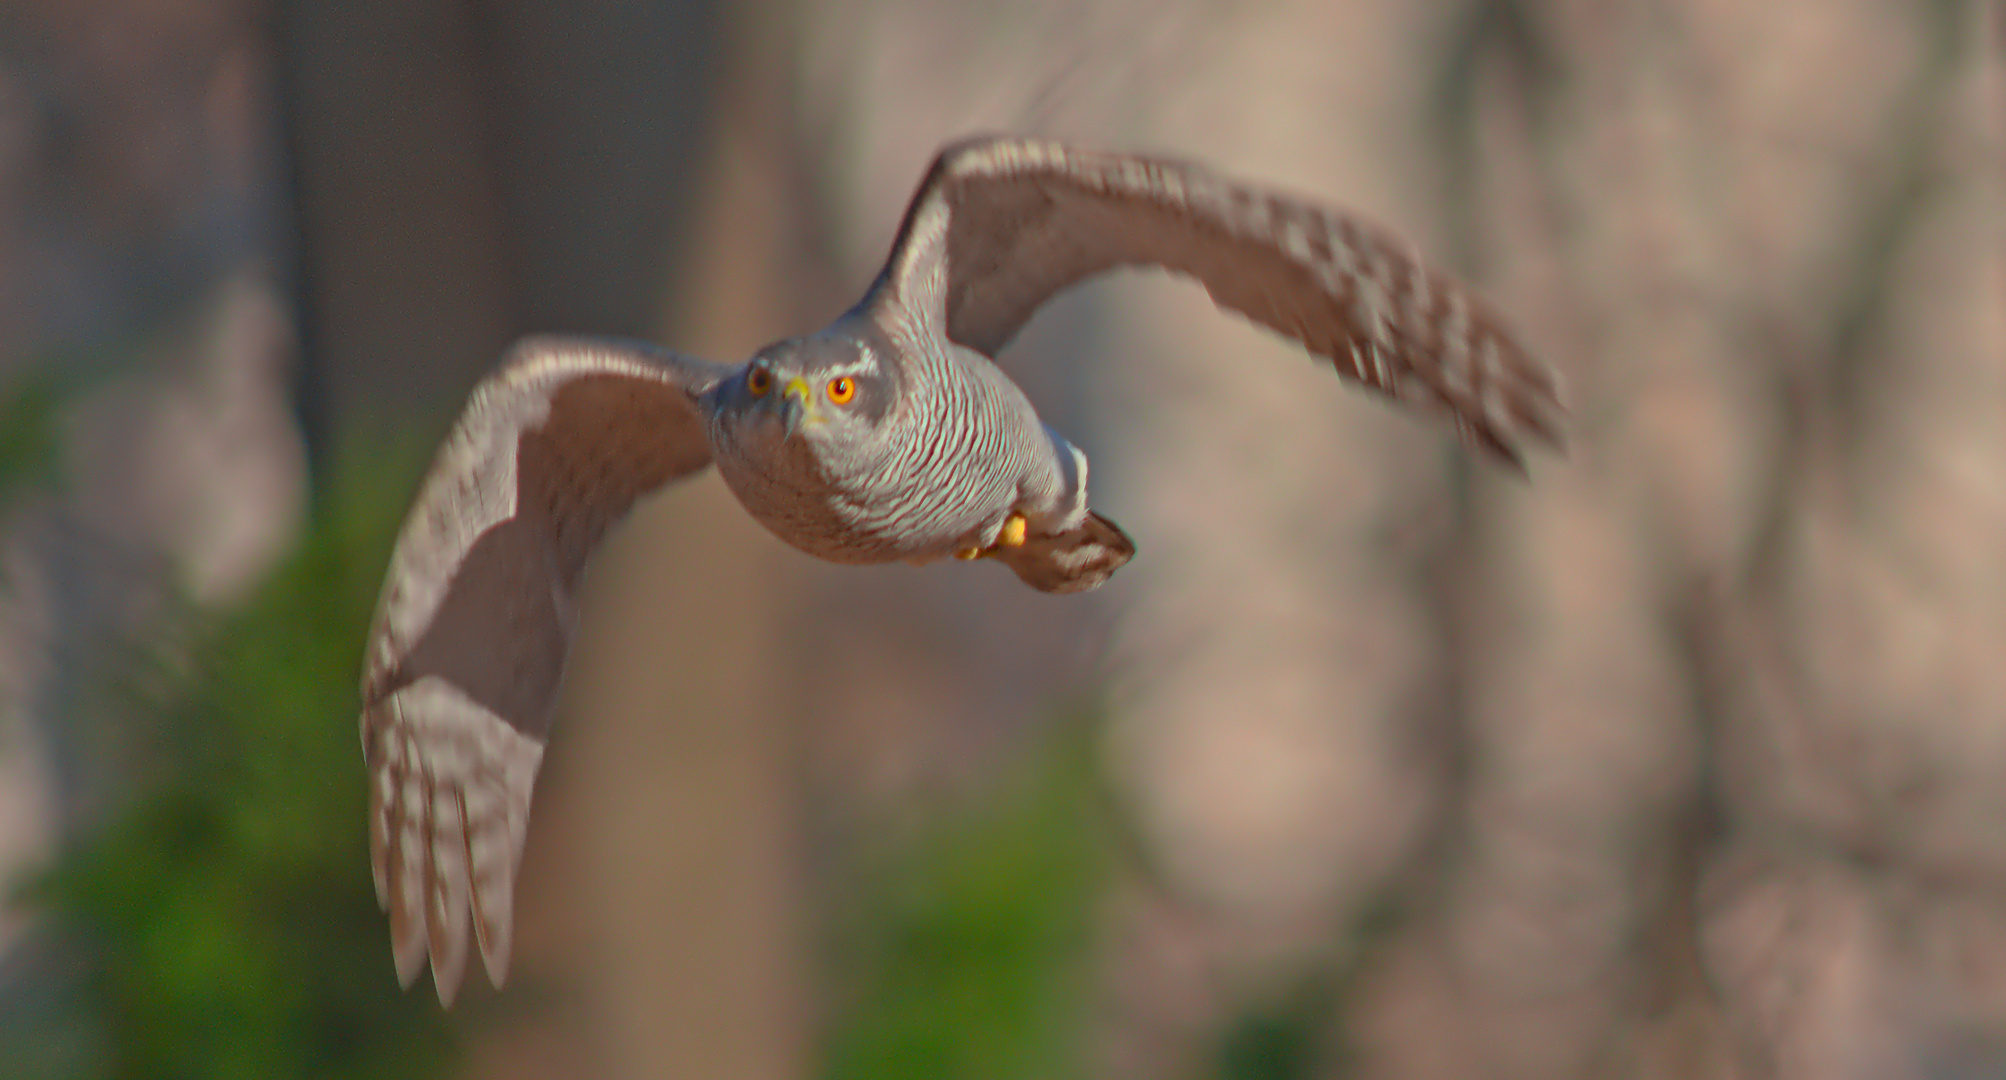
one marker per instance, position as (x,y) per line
(866,365)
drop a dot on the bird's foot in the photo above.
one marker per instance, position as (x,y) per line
(1012,535)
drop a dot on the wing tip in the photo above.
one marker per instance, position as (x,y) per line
(444,863)
(1512,445)
(495,941)
(407,945)
(449,966)
(1541,412)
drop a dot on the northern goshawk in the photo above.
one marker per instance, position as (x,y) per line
(889,435)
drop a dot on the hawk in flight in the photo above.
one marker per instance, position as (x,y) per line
(889,435)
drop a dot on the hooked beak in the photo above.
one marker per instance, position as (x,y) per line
(797,405)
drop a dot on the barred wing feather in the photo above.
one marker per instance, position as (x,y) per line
(471,632)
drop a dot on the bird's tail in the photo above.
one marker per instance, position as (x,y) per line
(1081,558)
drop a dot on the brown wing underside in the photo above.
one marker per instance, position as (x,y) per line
(471,635)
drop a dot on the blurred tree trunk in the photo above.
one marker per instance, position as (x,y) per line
(674,815)
(467,173)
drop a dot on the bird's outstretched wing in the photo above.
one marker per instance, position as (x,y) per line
(471,632)
(1001,224)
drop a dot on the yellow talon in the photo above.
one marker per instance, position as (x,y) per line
(1013,531)
(1011,535)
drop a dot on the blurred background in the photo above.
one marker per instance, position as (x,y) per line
(1685,759)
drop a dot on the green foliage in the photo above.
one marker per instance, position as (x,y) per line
(1268,1047)
(28,411)
(1286,1038)
(962,960)
(221,923)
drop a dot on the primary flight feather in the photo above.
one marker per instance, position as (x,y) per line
(889,435)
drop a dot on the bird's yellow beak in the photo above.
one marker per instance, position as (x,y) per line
(798,402)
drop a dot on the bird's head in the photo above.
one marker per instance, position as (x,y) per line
(827,394)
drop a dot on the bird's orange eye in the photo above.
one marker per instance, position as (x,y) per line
(759,381)
(842,389)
